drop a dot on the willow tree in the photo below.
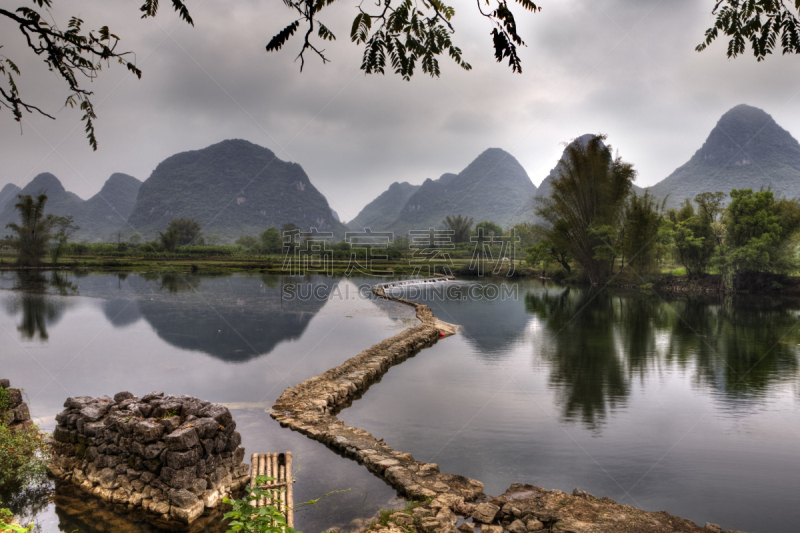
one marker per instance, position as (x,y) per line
(586,206)
(33,231)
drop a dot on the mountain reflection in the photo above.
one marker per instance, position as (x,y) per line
(232,318)
(39,301)
(599,342)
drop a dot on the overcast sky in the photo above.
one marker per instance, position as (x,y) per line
(626,68)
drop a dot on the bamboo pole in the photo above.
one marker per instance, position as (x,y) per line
(268,462)
(289,492)
(283,494)
(262,464)
(253,474)
(276,475)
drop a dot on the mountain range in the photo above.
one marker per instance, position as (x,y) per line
(493,187)
(99,217)
(236,187)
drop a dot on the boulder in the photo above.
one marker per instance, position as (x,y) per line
(517,526)
(485,513)
(125,395)
(534,525)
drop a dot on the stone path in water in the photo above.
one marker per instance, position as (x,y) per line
(311,407)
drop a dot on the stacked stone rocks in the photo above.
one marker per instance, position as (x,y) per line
(173,457)
(14,412)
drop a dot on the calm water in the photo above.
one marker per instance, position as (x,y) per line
(689,406)
(227,339)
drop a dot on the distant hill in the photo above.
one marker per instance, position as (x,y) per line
(97,217)
(493,187)
(746,149)
(232,188)
(8,194)
(383,211)
(108,209)
(59,201)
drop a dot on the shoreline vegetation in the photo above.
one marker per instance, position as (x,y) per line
(672,279)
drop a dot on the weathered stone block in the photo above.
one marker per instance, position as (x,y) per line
(177,479)
(179,460)
(182,439)
(170,424)
(189,514)
(206,427)
(219,413)
(96,410)
(147,430)
(182,498)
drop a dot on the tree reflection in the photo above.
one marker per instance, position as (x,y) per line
(599,342)
(39,302)
(175,282)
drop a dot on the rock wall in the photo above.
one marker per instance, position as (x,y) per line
(14,413)
(171,457)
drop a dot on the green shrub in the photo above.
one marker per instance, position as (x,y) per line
(247,518)
(5,525)
(24,454)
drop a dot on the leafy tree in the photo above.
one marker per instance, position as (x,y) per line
(694,239)
(641,229)
(33,231)
(136,238)
(713,205)
(65,227)
(527,234)
(169,239)
(764,23)
(761,235)
(586,206)
(460,226)
(188,230)
(271,242)
(290,233)
(487,231)
(248,241)
(409,33)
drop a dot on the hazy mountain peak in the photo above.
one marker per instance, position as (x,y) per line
(745,149)
(44,183)
(232,188)
(8,193)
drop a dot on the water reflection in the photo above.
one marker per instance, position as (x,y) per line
(600,342)
(38,301)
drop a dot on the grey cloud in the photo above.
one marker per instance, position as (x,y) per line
(355,134)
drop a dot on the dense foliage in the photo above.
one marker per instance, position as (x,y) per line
(764,23)
(460,226)
(586,205)
(595,222)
